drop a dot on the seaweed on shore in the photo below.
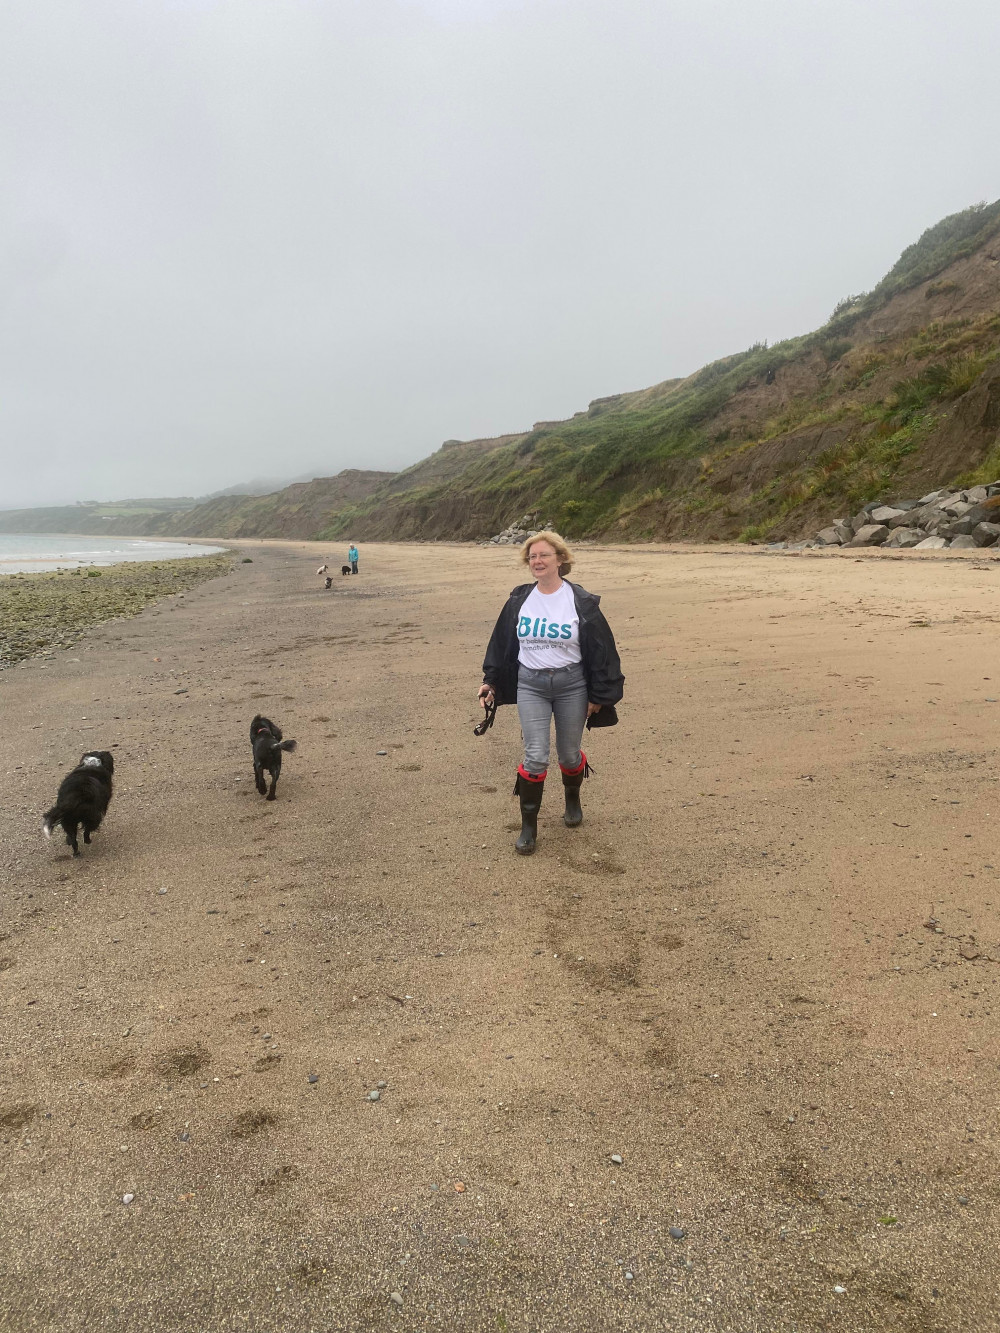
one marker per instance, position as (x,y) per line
(42,612)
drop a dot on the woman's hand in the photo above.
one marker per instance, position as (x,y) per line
(593,708)
(485,695)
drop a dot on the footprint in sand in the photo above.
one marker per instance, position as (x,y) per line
(182,1061)
(596,864)
(282,1175)
(312,1272)
(144,1120)
(18,1115)
(249,1123)
(117,1067)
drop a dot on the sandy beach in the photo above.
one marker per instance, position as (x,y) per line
(762,973)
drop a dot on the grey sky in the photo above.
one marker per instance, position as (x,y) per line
(271,236)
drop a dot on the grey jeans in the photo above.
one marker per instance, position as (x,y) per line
(560,693)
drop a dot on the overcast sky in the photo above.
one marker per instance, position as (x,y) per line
(244,238)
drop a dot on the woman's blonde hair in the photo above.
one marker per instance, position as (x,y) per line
(558,545)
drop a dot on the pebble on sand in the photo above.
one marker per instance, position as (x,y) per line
(127,1198)
(374,1095)
(677,1233)
(617,1159)
(396,1298)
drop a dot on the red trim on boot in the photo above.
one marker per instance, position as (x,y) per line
(522,772)
(575,772)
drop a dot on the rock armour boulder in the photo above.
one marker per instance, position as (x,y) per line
(872,534)
(901,538)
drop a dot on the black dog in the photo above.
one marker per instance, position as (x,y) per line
(345,569)
(267,744)
(82,798)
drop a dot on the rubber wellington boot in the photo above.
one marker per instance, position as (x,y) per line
(572,782)
(528,788)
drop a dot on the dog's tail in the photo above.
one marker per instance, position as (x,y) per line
(288,746)
(50,819)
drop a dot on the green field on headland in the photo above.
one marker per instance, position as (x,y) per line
(42,612)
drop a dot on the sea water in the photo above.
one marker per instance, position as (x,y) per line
(27,553)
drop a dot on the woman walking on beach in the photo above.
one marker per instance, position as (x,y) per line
(352,556)
(553,654)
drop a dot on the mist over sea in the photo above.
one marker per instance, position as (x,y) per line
(29,553)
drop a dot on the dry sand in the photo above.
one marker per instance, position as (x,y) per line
(726,976)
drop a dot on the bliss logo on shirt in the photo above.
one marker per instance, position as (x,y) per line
(542,629)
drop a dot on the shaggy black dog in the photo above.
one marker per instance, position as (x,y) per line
(265,737)
(82,799)
(345,569)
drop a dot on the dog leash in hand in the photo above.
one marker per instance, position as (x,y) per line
(481,728)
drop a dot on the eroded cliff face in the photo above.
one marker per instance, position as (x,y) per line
(298,511)
(899,396)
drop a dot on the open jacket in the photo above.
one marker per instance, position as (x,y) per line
(601,667)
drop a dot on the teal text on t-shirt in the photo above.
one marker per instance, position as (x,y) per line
(540,629)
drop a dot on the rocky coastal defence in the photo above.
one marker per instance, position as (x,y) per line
(517,532)
(955,519)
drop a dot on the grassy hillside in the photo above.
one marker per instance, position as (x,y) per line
(297,511)
(898,390)
(897,393)
(98,518)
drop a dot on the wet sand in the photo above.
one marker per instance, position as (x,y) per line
(763,973)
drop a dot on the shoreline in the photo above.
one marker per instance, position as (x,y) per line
(41,611)
(94,550)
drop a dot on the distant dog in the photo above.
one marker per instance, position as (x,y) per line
(322,569)
(329,582)
(82,799)
(345,569)
(265,737)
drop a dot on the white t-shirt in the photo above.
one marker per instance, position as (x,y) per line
(548,629)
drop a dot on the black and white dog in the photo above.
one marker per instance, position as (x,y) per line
(265,737)
(82,799)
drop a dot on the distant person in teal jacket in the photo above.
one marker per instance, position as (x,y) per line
(352,556)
